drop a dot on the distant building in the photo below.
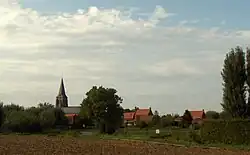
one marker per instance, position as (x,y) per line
(62,102)
(198,116)
(133,118)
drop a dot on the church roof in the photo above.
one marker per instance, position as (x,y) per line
(71,110)
(62,89)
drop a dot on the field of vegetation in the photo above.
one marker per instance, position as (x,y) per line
(34,144)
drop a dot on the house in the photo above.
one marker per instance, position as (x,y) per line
(198,116)
(133,118)
(145,115)
(129,118)
(71,112)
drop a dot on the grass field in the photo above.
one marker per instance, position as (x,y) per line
(41,144)
(176,136)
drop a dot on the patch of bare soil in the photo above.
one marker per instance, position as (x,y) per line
(42,145)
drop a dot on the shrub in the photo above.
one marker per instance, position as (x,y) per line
(22,121)
(194,136)
(167,121)
(47,119)
(226,131)
(143,125)
(161,136)
(1,114)
(34,119)
(187,118)
(60,118)
(196,126)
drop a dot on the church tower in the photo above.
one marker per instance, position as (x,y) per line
(61,99)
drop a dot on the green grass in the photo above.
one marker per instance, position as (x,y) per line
(178,137)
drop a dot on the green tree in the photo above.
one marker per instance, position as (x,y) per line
(85,116)
(156,120)
(11,107)
(176,115)
(187,118)
(225,115)
(60,118)
(103,105)
(47,118)
(1,114)
(45,105)
(234,78)
(22,121)
(167,120)
(248,80)
(212,115)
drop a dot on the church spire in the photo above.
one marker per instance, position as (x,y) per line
(62,89)
(61,99)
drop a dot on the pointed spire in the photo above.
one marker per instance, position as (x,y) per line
(62,89)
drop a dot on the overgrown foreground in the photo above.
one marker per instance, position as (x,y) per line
(12,144)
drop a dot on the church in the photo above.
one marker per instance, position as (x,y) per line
(62,102)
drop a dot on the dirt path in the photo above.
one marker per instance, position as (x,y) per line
(41,145)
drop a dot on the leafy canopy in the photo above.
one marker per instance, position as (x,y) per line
(103,105)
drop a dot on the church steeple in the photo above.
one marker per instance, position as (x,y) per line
(62,89)
(61,99)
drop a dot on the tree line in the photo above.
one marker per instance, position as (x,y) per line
(101,108)
(171,119)
(15,118)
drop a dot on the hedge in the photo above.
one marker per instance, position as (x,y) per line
(32,120)
(226,131)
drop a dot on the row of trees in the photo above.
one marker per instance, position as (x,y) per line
(236,83)
(15,118)
(101,108)
(169,119)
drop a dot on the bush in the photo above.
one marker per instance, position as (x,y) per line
(160,136)
(34,119)
(1,114)
(22,121)
(143,125)
(60,118)
(194,136)
(196,126)
(226,131)
(167,121)
(47,119)
(187,119)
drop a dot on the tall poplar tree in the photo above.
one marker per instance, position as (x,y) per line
(234,80)
(248,80)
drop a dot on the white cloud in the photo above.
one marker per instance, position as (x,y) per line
(184,22)
(174,67)
(108,47)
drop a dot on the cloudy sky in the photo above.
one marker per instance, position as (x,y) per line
(164,54)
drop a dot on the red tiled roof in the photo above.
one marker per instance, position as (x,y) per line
(197,114)
(129,115)
(71,115)
(142,112)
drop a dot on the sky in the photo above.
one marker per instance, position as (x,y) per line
(162,54)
